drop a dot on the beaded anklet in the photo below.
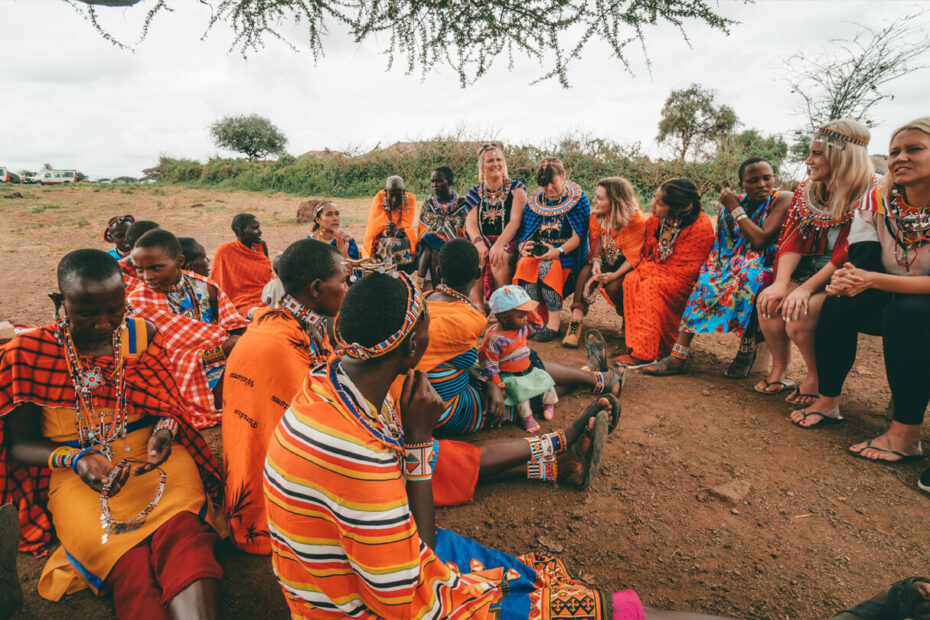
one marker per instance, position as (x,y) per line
(111,525)
(598,382)
(680,351)
(547,446)
(545,470)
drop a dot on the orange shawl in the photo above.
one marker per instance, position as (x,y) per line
(454,328)
(242,273)
(629,239)
(378,220)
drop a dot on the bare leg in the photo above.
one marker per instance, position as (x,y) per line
(773,328)
(199,600)
(567,379)
(904,438)
(801,333)
(658,614)
(502,274)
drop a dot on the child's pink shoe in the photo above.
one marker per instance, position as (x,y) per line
(548,411)
(530,425)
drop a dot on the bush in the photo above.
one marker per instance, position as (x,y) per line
(338,174)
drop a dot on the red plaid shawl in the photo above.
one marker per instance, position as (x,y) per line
(33,369)
(186,339)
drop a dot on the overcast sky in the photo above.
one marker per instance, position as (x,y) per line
(69,98)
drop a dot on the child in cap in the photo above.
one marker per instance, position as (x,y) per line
(505,356)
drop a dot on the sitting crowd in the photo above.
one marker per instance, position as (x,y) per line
(341,375)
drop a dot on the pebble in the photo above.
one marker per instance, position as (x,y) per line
(735,511)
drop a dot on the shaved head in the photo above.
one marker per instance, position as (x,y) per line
(82,266)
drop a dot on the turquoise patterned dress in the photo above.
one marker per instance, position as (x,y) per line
(725,294)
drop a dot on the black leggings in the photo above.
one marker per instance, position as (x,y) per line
(903,322)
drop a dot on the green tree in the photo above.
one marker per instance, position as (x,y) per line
(691,121)
(753,144)
(463,34)
(252,135)
(847,78)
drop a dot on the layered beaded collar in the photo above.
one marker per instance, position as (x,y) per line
(445,207)
(311,321)
(495,197)
(571,194)
(812,214)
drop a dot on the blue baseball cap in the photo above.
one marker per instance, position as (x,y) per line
(511,297)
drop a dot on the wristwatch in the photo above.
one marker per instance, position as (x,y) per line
(561,251)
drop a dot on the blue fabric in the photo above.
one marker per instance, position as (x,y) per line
(114,253)
(451,547)
(434,241)
(92,579)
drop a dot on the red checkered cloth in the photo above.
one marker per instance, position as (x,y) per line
(186,339)
(34,370)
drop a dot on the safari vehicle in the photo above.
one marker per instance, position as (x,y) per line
(6,176)
(48,177)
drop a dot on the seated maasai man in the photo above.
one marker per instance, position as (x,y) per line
(199,323)
(442,218)
(92,398)
(242,268)
(136,230)
(456,324)
(349,495)
(267,368)
(115,233)
(391,235)
(195,256)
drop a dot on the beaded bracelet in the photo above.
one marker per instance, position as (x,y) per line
(77,457)
(418,461)
(737,212)
(111,525)
(168,424)
(212,356)
(61,457)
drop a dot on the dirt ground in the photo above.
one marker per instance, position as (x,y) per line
(817,532)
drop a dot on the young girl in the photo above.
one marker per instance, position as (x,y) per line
(616,234)
(505,357)
(115,233)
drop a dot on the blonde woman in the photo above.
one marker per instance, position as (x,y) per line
(812,246)
(495,212)
(884,290)
(616,232)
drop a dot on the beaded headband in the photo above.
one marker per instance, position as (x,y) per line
(119,219)
(551,161)
(415,307)
(320,206)
(835,138)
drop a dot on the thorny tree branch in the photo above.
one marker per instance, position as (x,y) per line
(465,35)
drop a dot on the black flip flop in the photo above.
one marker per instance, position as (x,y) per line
(597,348)
(592,460)
(825,420)
(591,411)
(902,458)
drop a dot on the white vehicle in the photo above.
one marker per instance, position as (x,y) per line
(8,177)
(47,177)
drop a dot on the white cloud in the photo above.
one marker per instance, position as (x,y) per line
(77,101)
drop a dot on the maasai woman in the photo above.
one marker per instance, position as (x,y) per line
(616,232)
(456,325)
(198,321)
(115,233)
(740,263)
(349,495)
(678,238)
(326,228)
(242,268)
(391,235)
(495,211)
(553,242)
(883,289)
(265,370)
(442,219)
(195,256)
(812,245)
(92,398)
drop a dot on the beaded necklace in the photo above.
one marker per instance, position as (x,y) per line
(812,215)
(491,205)
(451,292)
(389,429)
(87,380)
(912,227)
(668,235)
(113,526)
(188,289)
(309,320)
(445,207)
(571,194)
(390,212)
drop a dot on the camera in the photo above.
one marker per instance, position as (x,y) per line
(539,249)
